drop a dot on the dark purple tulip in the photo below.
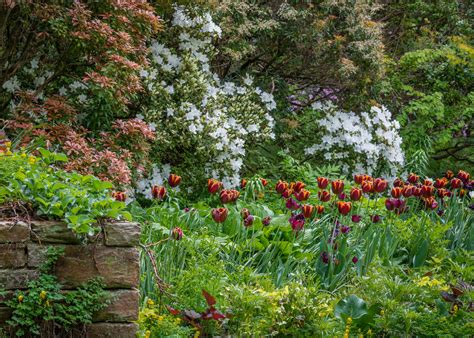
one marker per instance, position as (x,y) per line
(440,212)
(355,259)
(375,218)
(389,204)
(345,229)
(356,218)
(187,209)
(342,196)
(325,257)
(297,222)
(266,221)
(249,221)
(292,204)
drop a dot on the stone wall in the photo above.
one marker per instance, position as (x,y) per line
(113,256)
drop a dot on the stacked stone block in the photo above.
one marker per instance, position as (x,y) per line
(113,255)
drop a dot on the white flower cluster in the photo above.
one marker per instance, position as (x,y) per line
(193,106)
(368,142)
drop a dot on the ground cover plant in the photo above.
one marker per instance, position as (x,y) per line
(297,168)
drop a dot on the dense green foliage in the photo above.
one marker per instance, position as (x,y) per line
(34,186)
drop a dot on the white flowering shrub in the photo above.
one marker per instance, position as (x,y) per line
(367,142)
(203,125)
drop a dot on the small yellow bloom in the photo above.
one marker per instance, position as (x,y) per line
(349,321)
(8,144)
(382,312)
(197,334)
(150,302)
(23,155)
(43,294)
(20,298)
(147,334)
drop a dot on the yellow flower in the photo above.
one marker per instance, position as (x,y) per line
(150,302)
(423,281)
(8,144)
(43,294)
(20,298)
(197,334)
(349,321)
(147,334)
(382,312)
(31,159)
(23,155)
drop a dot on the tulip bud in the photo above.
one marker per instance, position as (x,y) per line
(281,186)
(408,191)
(287,193)
(292,204)
(367,186)
(264,182)
(396,192)
(248,221)
(463,176)
(356,194)
(302,195)
(380,185)
(412,178)
(337,186)
(119,196)
(442,193)
(174,180)
(245,213)
(358,179)
(322,182)
(158,192)
(355,260)
(427,190)
(449,174)
(440,182)
(430,203)
(297,222)
(324,196)
(417,192)
(455,183)
(344,207)
(389,204)
(307,210)
(228,196)
(213,185)
(320,209)
(345,229)
(299,186)
(325,257)
(177,233)
(427,182)
(219,214)
(398,183)
(243,183)
(356,218)
(375,218)
(266,221)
